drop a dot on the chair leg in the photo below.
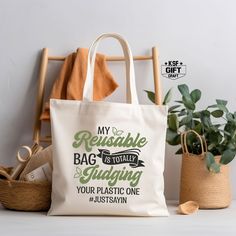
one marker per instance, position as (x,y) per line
(40,96)
(156,75)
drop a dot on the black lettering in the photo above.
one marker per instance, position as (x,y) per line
(76,158)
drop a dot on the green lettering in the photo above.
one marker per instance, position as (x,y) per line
(110,175)
(80,137)
(142,142)
(118,142)
(88,174)
(93,140)
(135,178)
(113,178)
(86,138)
(110,141)
(128,141)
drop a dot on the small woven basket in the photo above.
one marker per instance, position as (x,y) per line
(24,195)
(210,190)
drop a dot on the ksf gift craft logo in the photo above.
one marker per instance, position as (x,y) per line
(173,70)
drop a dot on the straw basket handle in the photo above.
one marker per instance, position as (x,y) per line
(184,142)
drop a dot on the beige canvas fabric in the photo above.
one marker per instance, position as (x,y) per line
(108,158)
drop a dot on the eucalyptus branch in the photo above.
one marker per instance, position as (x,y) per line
(220,136)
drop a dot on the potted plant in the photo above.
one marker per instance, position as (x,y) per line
(207,134)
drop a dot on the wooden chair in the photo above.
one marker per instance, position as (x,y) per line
(37,137)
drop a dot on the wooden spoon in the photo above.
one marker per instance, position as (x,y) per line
(188,207)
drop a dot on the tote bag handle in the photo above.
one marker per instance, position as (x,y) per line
(131,93)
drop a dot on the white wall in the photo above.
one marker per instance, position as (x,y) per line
(200,33)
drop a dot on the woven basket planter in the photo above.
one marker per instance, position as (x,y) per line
(209,190)
(24,195)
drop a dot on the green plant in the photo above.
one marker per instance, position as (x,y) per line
(215,123)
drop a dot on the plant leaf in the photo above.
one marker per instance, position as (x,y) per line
(186,98)
(221,104)
(184,90)
(211,146)
(179,151)
(185,120)
(210,162)
(195,95)
(210,159)
(227,156)
(198,128)
(151,95)
(231,145)
(173,122)
(217,113)
(172,137)
(212,106)
(230,117)
(215,167)
(167,97)
(230,128)
(183,112)
(197,114)
(205,118)
(179,101)
(188,103)
(205,113)
(171,109)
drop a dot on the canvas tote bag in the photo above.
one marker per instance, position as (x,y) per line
(108,158)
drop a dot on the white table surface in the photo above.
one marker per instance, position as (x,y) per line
(205,222)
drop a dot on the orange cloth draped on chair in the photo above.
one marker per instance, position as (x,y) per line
(71,80)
